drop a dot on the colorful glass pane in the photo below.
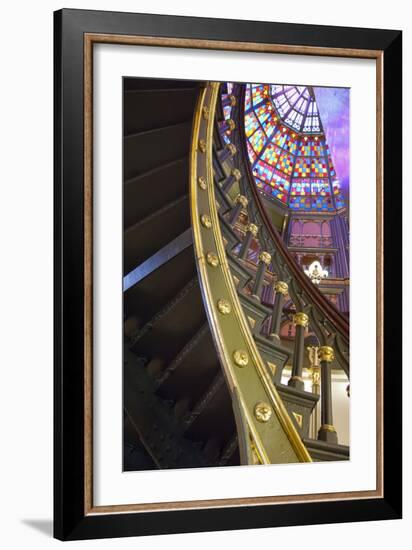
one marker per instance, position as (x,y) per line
(248,102)
(257,140)
(280,182)
(320,187)
(300,188)
(279,137)
(319,167)
(260,92)
(251,124)
(251,153)
(285,163)
(287,147)
(271,154)
(302,167)
(263,171)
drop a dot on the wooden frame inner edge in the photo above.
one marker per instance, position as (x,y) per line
(89,40)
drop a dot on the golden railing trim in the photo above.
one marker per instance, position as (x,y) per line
(250,428)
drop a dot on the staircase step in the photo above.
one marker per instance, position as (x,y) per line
(147,236)
(153,421)
(322,451)
(192,370)
(299,405)
(223,200)
(212,415)
(231,237)
(153,84)
(274,354)
(135,456)
(154,189)
(159,258)
(255,312)
(150,295)
(172,327)
(230,452)
(240,273)
(145,151)
(147,109)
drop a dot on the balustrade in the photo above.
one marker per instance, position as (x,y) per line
(234,176)
(240,202)
(251,232)
(229,150)
(229,101)
(327,431)
(281,289)
(310,310)
(227,125)
(301,321)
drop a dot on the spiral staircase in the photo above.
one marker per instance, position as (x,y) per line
(207,284)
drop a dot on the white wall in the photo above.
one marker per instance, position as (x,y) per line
(26,274)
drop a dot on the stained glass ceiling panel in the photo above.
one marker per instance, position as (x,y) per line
(287,147)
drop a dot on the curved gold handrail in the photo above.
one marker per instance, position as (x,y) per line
(265,431)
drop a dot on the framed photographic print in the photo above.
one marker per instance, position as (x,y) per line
(227,274)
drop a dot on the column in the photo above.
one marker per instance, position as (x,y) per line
(281,289)
(240,202)
(315,379)
(251,231)
(264,260)
(301,321)
(228,151)
(327,430)
(235,175)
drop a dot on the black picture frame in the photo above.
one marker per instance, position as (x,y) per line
(70,520)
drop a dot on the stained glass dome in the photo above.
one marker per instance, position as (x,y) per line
(287,148)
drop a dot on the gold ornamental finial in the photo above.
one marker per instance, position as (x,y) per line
(301,319)
(231,124)
(232,100)
(241,199)
(328,428)
(236,173)
(232,149)
(265,257)
(326,353)
(281,287)
(252,228)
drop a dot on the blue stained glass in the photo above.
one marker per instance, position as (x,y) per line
(269,126)
(248,102)
(271,154)
(287,147)
(226,111)
(257,140)
(263,171)
(251,124)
